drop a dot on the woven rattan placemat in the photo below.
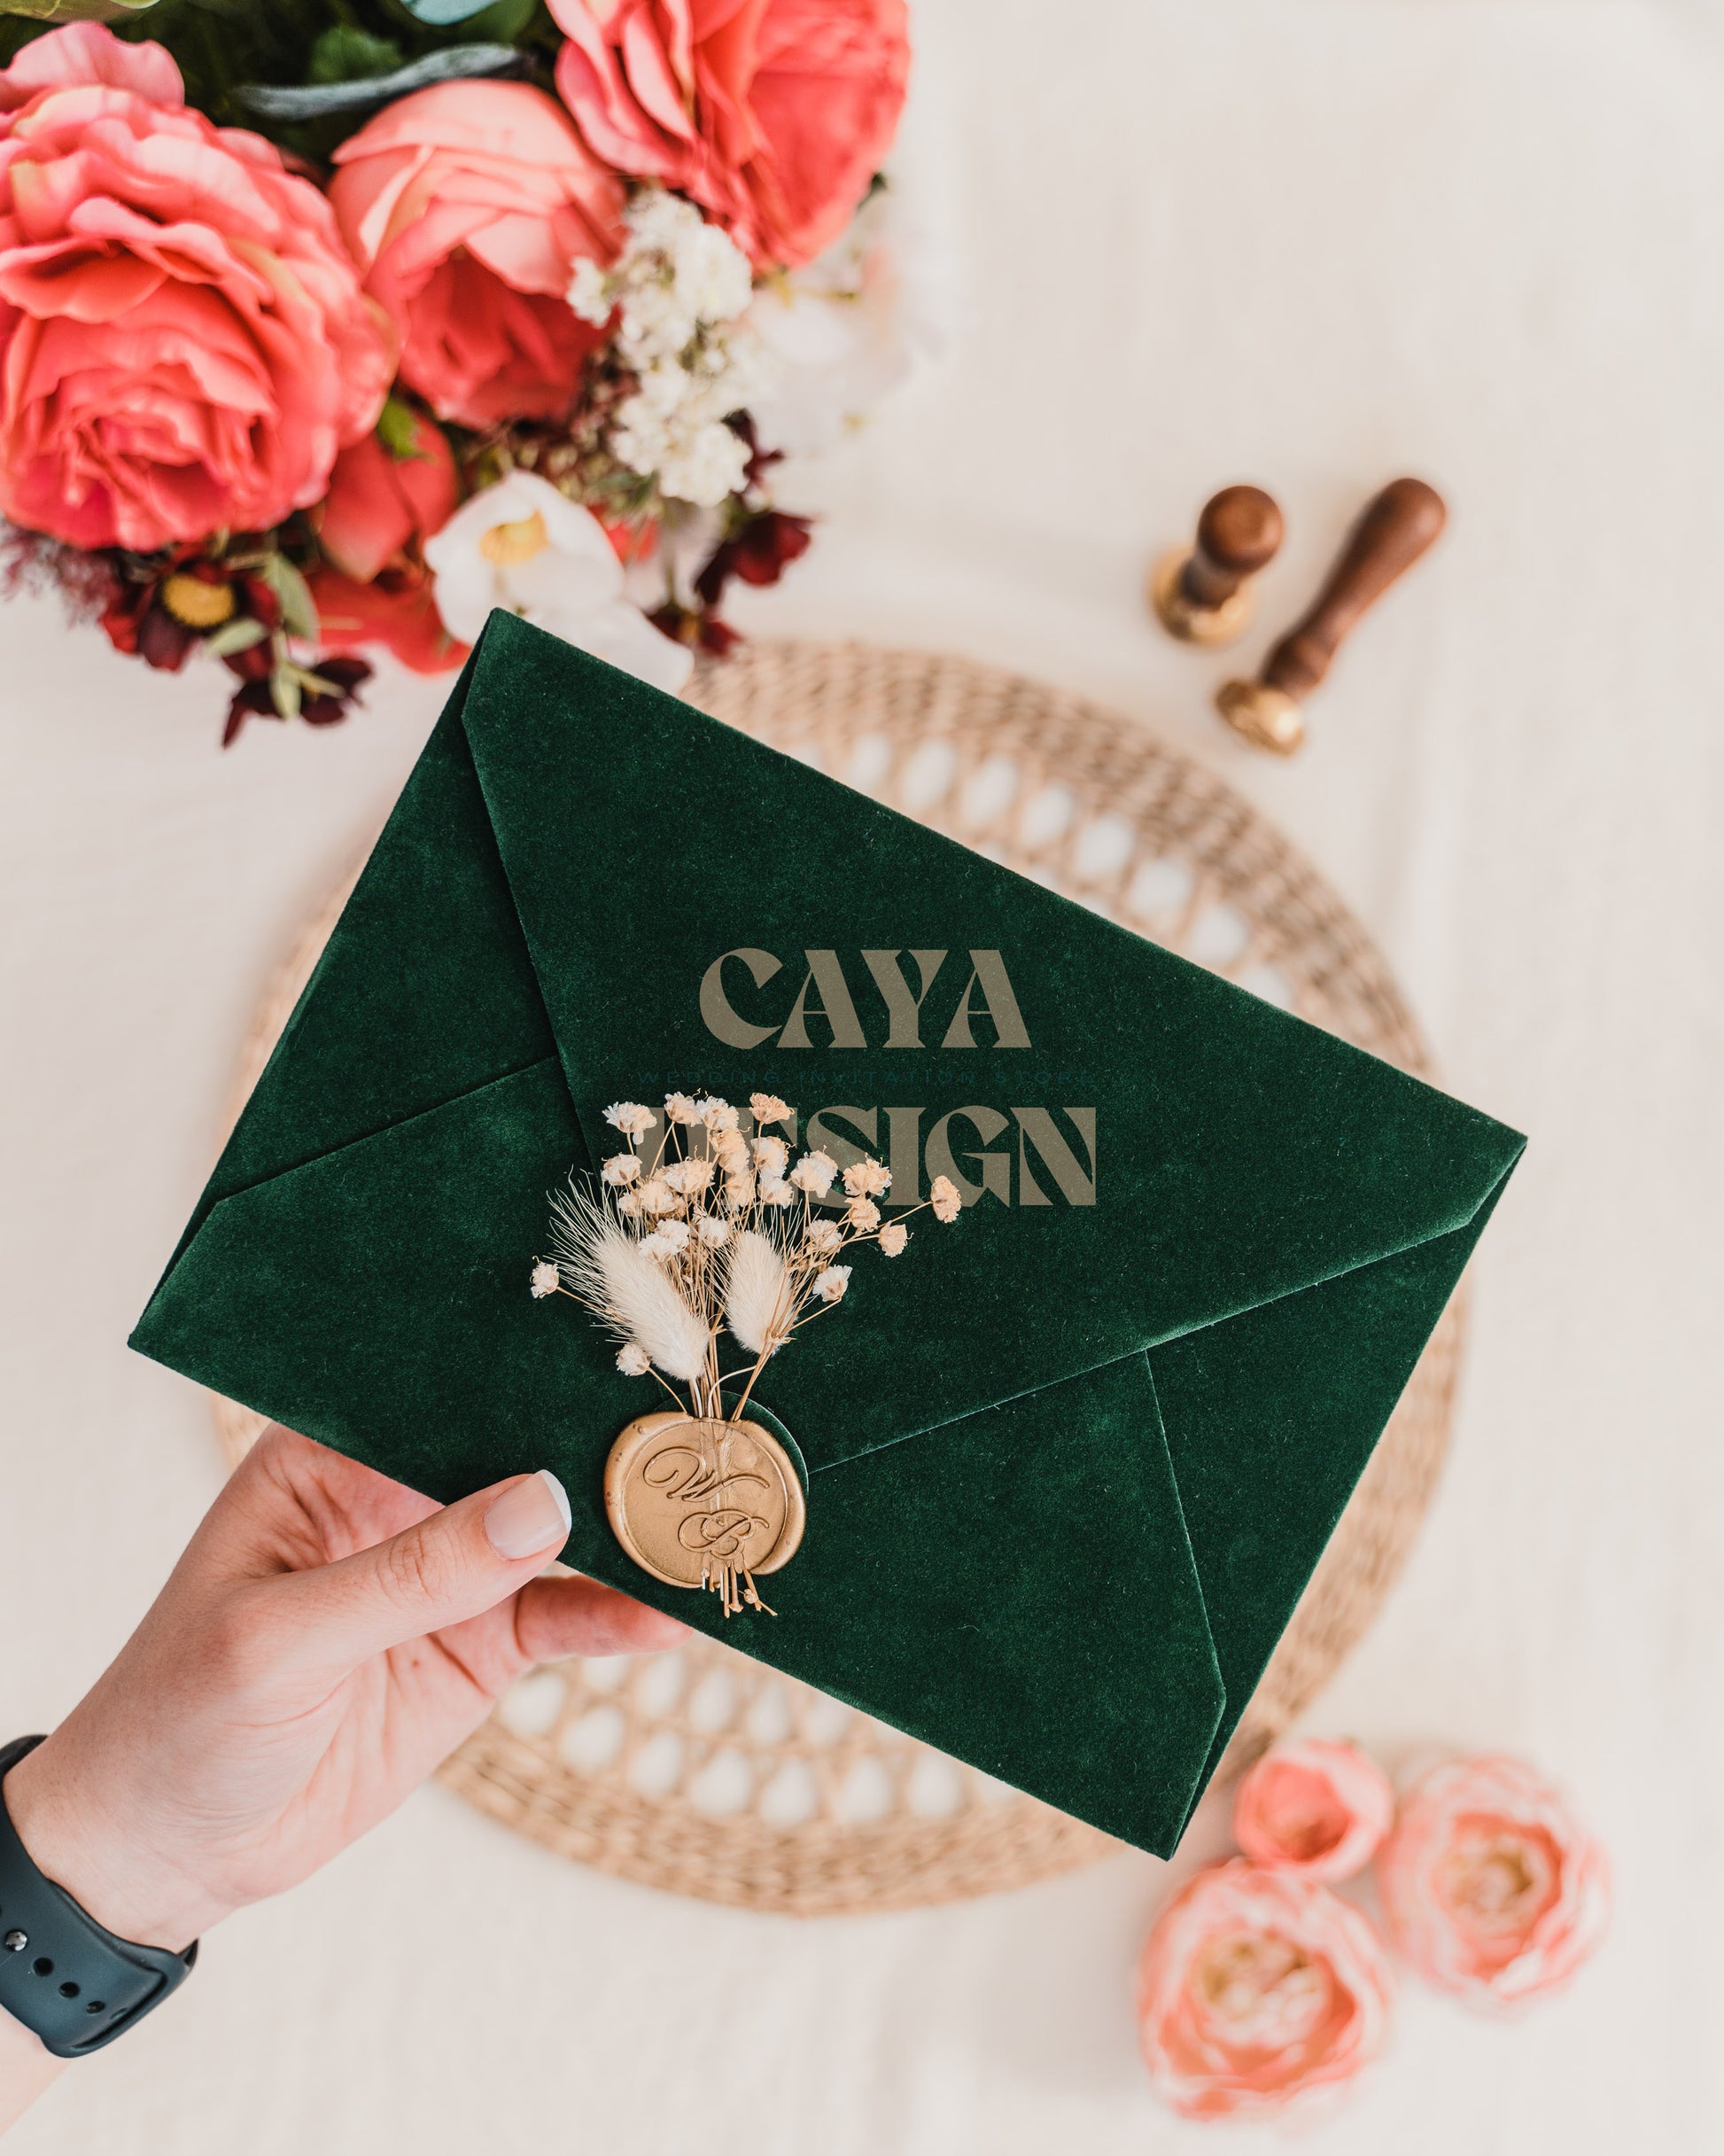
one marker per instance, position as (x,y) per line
(703,1772)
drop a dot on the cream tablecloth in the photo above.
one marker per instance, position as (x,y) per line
(1315,242)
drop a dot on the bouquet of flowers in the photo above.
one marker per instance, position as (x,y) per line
(329,325)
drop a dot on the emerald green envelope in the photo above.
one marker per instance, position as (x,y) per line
(1071,1460)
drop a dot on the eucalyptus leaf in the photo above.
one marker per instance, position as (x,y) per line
(316,100)
(440,13)
(237,636)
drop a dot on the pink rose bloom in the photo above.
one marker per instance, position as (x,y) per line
(1492,1887)
(467,206)
(1258,1991)
(772,114)
(1318,1808)
(183,343)
(379,504)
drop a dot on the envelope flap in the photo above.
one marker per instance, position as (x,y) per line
(1153,1150)
(423,990)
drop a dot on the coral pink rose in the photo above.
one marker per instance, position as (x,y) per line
(397,608)
(379,503)
(1257,1991)
(467,206)
(772,114)
(1492,1888)
(183,343)
(1318,1808)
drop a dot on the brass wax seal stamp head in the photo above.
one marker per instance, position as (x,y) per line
(700,1503)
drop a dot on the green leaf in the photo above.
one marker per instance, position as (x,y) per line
(344,53)
(74,10)
(320,100)
(397,430)
(298,608)
(238,634)
(284,690)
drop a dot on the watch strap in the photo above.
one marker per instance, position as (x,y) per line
(61,1973)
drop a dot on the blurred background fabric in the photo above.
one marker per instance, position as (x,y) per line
(1313,243)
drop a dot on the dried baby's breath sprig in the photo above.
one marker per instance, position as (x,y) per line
(713,1230)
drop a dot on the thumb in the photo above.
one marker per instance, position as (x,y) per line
(445,1568)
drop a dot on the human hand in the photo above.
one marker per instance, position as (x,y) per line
(327,1638)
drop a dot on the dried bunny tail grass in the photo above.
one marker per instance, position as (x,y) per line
(606,1267)
(756,1292)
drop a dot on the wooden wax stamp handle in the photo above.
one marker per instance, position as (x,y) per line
(1398,526)
(1203,594)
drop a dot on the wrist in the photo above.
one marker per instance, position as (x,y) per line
(73,1839)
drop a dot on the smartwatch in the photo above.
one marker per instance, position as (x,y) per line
(61,1974)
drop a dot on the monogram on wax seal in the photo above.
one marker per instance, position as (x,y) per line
(701,1503)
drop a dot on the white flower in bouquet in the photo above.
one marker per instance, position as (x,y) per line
(523,546)
(842,333)
(677,290)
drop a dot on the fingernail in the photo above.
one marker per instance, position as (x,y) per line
(534,1516)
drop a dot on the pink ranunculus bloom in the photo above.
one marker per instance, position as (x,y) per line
(1318,1808)
(1257,1992)
(773,115)
(1492,1887)
(183,343)
(467,206)
(378,504)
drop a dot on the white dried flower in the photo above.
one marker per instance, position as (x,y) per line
(943,1196)
(654,1246)
(730,1150)
(629,1205)
(868,1178)
(814,1172)
(656,1196)
(893,1238)
(621,1169)
(673,1234)
(546,1280)
(767,1108)
(716,1114)
(757,1295)
(633,1360)
(826,1238)
(776,1191)
(738,1192)
(687,1177)
(679,1108)
(772,1156)
(714,1230)
(831,1284)
(862,1215)
(630,1118)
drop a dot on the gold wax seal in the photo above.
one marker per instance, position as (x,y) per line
(701,1503)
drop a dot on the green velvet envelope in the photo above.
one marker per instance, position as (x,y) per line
(1071,1460)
